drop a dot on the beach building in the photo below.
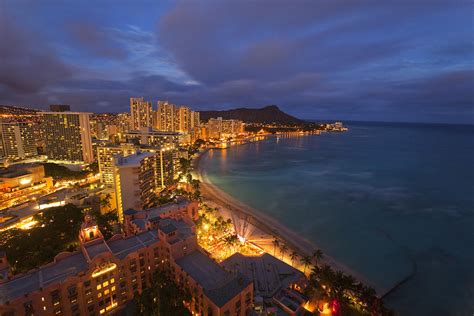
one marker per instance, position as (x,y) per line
(103,276)
(138,178)
(277,285)
(97,279)
(179,209)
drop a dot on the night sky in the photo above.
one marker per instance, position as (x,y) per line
(351,60)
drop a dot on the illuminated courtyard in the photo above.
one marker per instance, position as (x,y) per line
(219,236)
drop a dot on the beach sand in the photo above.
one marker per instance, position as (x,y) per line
(263,228)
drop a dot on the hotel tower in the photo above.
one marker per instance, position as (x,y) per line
(141,113)
(67,136)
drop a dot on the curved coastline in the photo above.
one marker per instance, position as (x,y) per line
(267,224)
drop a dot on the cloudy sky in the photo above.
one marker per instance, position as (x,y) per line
(403,60)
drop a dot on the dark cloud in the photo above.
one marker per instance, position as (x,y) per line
(96,40)
(27,63)
(391,60)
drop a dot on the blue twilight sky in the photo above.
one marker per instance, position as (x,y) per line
(388,60)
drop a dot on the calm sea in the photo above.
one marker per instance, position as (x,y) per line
(385,199)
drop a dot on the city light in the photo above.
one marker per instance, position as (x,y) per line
(104,269)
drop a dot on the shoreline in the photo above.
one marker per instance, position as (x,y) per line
(268,226)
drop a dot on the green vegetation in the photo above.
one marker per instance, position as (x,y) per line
(163,297)
(185,172)
(352,297)
(59,172)
(57,230)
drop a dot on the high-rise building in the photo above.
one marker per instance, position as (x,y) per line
(153,138)
(217,128)
(183,119)
(195,120)
(141,113)
(165,117)
(214,128)
(67,136)
(232,128)
(138,178)
(105,158)
(17,140)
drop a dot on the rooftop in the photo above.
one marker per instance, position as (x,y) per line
(268,273)
(168,225)
(219,285)
(165,208)
(133,160)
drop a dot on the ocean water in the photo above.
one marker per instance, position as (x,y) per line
(387,200)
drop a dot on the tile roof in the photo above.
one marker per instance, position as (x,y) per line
(219,285)
(268,273)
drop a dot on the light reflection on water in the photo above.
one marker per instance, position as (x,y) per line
(378,198)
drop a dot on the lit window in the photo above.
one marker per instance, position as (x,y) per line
(106,292)
(105,283)
(99,287)
(112,281)
(113,288)
(99,295)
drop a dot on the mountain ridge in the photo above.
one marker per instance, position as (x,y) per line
(266,114)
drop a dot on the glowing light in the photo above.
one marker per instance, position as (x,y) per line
(25,181)
(28,225)
(104,269)
(52,204)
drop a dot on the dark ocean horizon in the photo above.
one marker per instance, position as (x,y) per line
(386,199)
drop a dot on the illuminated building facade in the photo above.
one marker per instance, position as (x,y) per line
(217,128)
(172,118)
(231,128)
(195,120)
(153,138)
(184,119)
(140,113)
(105,159)
(17,141)
(165,117)
(96,280)
(67,136)
(123,122)
(102,276)
(214,128)
(138,178)
(19,182)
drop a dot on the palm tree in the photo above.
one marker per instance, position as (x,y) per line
(293,256)
(230,242)
(283,250)
(105,201)
(317,255)
(306,261)
(275,243)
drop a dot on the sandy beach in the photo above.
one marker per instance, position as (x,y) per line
(264,228)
